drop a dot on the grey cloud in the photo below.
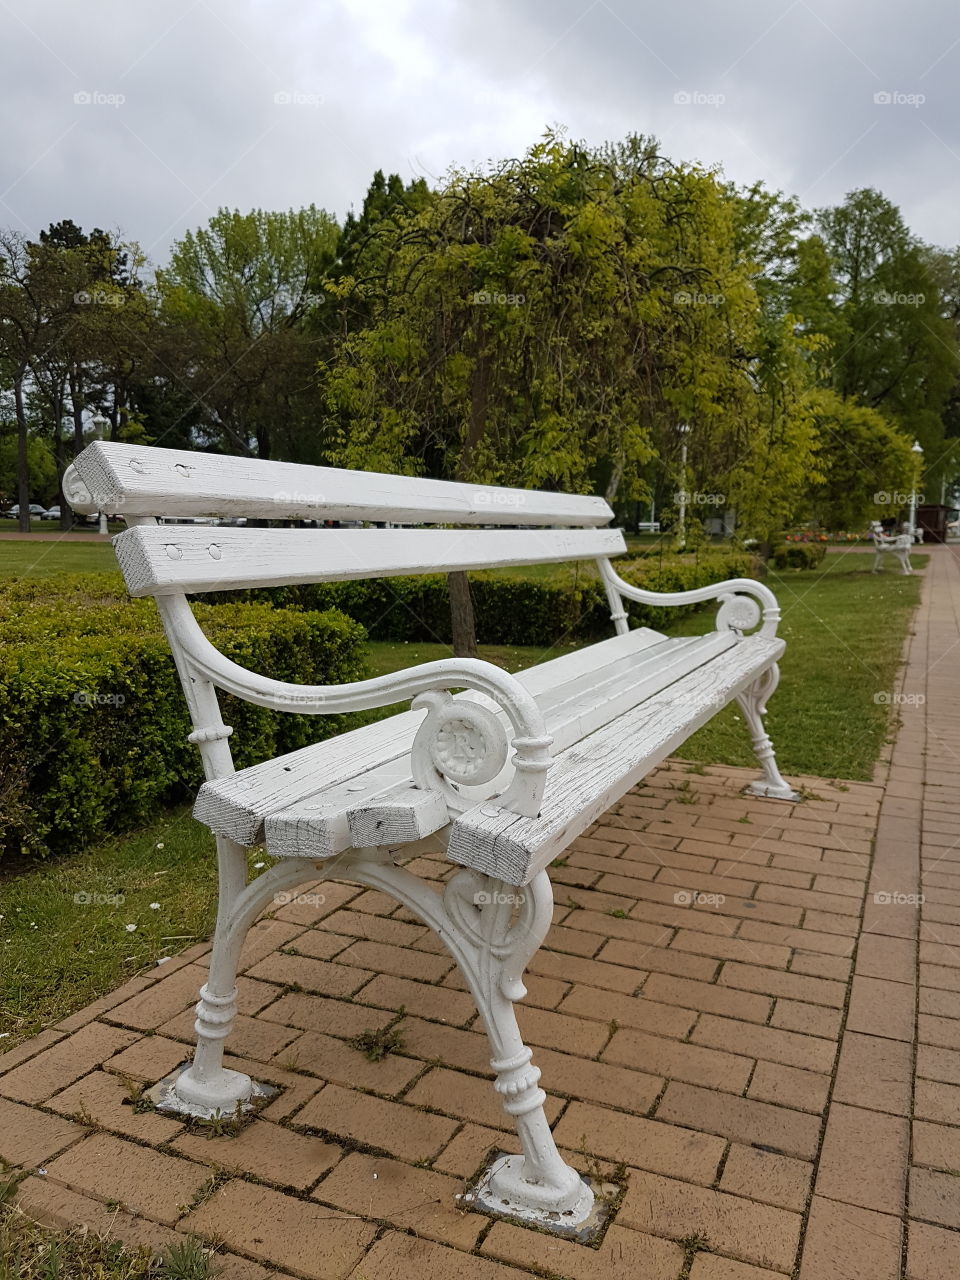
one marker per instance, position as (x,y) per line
(419,85)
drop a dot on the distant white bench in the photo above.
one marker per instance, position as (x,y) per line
(897,545)
(506,773)
(648,526)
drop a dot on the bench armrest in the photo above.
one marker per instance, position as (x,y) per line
(459,741)
(744,601)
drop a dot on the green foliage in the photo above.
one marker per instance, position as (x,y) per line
(41,466)
(551,322)
(896,349)
(376,1043)
(680,573)
(511,334)
(93,723)
(511,611)
(798,555)
(864,461)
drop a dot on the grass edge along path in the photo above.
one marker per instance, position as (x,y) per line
(34,1251)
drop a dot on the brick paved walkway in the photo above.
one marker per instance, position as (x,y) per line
(749,1058)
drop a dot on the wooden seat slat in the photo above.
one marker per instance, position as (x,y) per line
(592,775)
(326,825)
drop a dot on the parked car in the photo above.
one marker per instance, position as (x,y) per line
(51,513)
(35,511)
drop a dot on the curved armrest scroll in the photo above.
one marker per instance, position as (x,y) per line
(421,683)
(726,592)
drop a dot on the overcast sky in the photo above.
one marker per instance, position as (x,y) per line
(148,116)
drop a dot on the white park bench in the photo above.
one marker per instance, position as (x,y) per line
(897,545)
(506,773)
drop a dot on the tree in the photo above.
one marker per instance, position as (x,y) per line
(61,336)
(41,466)
(495,334)
(898,350)
(387,203)
(945,266)
(92,300)
(235,301)
(550,322)
(22,322)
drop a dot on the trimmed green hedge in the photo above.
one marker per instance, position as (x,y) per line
(93,723)
(798,555)
(510,611)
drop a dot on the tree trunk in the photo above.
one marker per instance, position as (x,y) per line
(461,616)
(616,476)
(60,458)
(77,404)
(763,552)
(23,465)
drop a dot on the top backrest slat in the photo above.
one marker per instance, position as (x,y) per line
(133,480)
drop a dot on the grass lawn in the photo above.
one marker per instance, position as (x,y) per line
(844,629)
(65,934)
(54,556)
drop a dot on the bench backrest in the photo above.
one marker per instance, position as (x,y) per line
(141,484)
(895,540)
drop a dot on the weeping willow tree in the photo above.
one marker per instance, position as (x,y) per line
(547,323)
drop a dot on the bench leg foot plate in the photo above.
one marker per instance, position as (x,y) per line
(578,1212)
(772,791)
(229,1093)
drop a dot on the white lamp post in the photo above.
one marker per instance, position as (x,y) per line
(913,491)
(100,424)
(684,432)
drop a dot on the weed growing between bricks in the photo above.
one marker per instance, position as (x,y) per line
(376,1044)
(692,1245)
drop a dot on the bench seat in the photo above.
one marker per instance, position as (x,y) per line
(643,691)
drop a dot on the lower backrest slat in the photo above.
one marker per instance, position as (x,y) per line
(166,560)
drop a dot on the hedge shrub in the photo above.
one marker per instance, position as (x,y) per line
(510,611)
(798,555)
(93,723)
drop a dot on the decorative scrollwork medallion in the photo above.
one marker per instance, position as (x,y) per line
(738,613)
(459,742)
